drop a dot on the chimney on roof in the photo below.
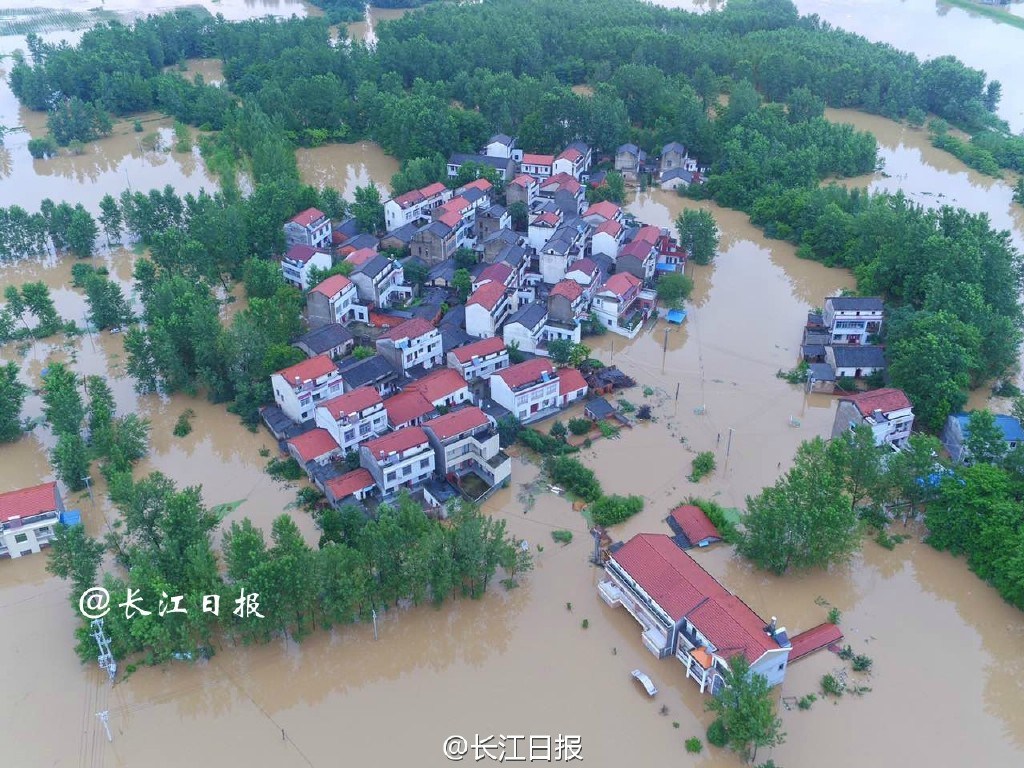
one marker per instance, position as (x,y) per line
(877,414)
(771,627)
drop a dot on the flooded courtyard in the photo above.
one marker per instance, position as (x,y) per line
(948,676)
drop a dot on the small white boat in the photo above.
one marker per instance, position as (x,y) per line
(645,681)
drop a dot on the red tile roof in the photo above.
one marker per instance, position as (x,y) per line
(302,253)
(451,218)
(498,272)
(694,523)
(361,256)
(529,159)
(681,588)
(570,289)
(814,639)
(523,180)
(571,154)
(621,283)
(648,234)
(456,204)
(550,218)
(884,400)
(406,407)
(332,286)
(479,349)
(352,402)
(308,370)
(586,266)
(639,249)
(433,189)
(610,227)
(457,422)
(411,197)
(313,444)
(570,380)
(487,295)
(482,184)
(26,502)
(396,442)
(307,217)
(439,384)
(605,209)
(347,484)
(562,180)
(410,329)
(526,373)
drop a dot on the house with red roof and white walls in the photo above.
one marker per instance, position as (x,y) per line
(300,260)
(400,460)
(466,441)
(415,204)
(415,342)
(299,388)
(310,227)
(888,412)
(28,519)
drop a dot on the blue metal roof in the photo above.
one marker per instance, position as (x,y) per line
(676,316)
(1011,428)
(71,517)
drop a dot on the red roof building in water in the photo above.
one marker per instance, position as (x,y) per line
(686,612)
(356,483)
(28,517)
(28,502)
(690,521)
(316,445)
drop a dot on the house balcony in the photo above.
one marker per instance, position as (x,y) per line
(654,637)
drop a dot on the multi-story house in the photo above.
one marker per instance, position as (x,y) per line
(599,213)
(478,192)
(355,485)
(565,246)
(440,239)
(565,192)
(615,304)
(587,274)
(629,160)
(571,386)
(415,204)
(407,409)
(887,411)
(529,390)
(530,329)
(487,308)
(28,519)
(444,388)
(334,300)
(412,343)
(311,227)
(958,430)
(375,371)
(685,612)
(542,227)
(500,145)
(522,189)
(465,441)
(573,160)
(477,361)
(313,448)
(297,263)
(566,302)
(299,388)
(852,319)
(638,258)
(400,460)
(607,238)
(674,155)
(353,418)
(499,272)
(381,282)
(855,360)
(538,166)
(491,220)
(333,340)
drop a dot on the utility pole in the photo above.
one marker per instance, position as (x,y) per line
(664,351)
(104,717)
(87,480)
(728,445)
(374,623)
(106,657)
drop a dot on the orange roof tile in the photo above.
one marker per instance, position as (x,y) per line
(450,218)
(570,380)
(526,372)
(885,400)
(548,218)
(349,483)
(410,329)
(480,348)
(396,442)
(523,180)
(307,217)
(530,159)
(570,289)
(694,523)
(406,407)
(457,422)
(571,154)
(308,370)
(332,286)
(499,272)
(487,295)
(621,283)
(313,444)
(352,402)
(440,384)
(610,227)
(605,209)
(26,502)
(482,184)
(361,256)
(433,189)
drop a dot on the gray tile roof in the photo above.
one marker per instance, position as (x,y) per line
(374,266)
(497,163)
(454,317)
(358,373)
(500,138)
(529,315)
(856,303)
(858,356)
(405,232)
(442,271)
(673,146)
(325,338)
(822,372)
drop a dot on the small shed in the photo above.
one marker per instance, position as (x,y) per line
(676,316)
(821,378)
(692,527)
(598,409)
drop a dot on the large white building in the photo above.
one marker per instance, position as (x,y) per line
(310,227)
(466,441)
(852,319)
(27,519)
(414,205)
(400,460)
(299,261)
(486,309)
(480,359)
(334,300)
(529,390)
(887,411)
(353,418)
(412,343)
(299,388)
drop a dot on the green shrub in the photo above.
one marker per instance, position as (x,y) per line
(626,406)
(716,734)
(562,536)
(580,426)
(834,615)
(607,430)
(648,391)
(361,353)
(717,517)
(703,464)
(573,476)
(694,745)
(830,686)
(137,126)
(42,148)
(284,469)
(543,444)
(585,624)
(558,430)
(806,701)
(183,425)
(862,663)
(614,509)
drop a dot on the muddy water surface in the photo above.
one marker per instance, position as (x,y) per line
(347,166)
(365,30)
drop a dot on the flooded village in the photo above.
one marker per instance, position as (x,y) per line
(550,656)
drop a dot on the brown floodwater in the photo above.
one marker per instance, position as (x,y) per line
(519,662)
(347,166)
(926,28)
(364,30)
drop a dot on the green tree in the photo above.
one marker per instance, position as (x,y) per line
(466,258)
(76,557)
(462,283)
(368,209)
(911,474)
(101,414)
(856,456)
(985,441)
(806,520)
(613,188)
(110,219)
(262,278)
(698,234)
(520,215)
(70,459)
(108,307)
(566,352)
(81,232)
(746,710)
(472,171)
(16,306)
(674,288)
(62,402)
(40,304)
(558,430)
(12,397)
(706,85)
(804,105)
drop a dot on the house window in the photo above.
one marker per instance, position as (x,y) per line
(424,463)
(20,538)
(364,428)
(782,666)
(350,435)
(390,476)
(407,469)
